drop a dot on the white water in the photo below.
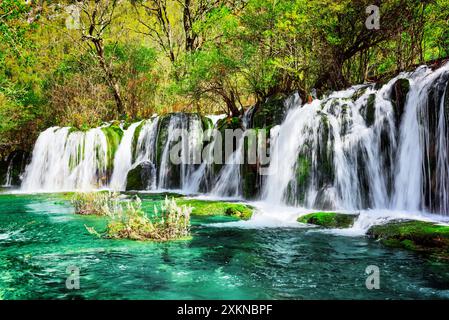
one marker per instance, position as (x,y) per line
(123,159)
(67,161)
(146,149)
(375,166)
(229,182)
(8,178)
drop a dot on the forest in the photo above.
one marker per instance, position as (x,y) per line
(79,63)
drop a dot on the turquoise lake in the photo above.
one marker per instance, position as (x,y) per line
(40,237)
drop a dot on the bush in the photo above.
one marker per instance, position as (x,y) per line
(94,203)
(129,221)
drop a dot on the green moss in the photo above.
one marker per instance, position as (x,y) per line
(206,123)
(302,170)
(218,208)
(420,236)
(113,135)
(135,139)
(270,113)
(329,219)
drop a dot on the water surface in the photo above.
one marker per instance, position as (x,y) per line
(40,237)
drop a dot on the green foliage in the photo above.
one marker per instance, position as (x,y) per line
(217,56)
(93,203)
(129,221)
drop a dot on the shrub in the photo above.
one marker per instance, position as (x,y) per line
(129,221)
(94,203)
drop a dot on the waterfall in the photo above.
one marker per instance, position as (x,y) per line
(65,160)
(367,147)
(229,183)
(146,150)
(178,175)
(8,178)
(123,159)
(443,156)
(345,150)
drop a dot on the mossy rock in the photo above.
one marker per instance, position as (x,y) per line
(136,139)
(398,97)
(419,236)
(368,111)
(218,208)
(139,178)
(113,135)
(269,113)
(332,220)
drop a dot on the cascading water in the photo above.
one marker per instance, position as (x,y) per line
(228,183)
(361,148)
(184,131)
(145,152)
(344,151)
(123,159)
(64,160)
(8,178)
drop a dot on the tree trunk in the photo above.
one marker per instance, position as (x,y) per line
(110,79)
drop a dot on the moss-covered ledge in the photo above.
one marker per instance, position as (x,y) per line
(218,208)
(332,220)
(420,236)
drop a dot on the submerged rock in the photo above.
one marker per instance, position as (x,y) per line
(420,236)
(329,219)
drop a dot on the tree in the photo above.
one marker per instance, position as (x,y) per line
(96,18)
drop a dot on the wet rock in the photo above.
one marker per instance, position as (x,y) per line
(141,177)
(398,97)
(270,113)
(324,199)
(332,220)
(421,236)
(15,163)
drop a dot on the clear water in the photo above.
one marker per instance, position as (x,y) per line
(40,237)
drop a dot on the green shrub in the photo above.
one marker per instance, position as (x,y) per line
(127,220)
(93,203)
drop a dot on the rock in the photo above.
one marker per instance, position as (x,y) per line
(398,97)
(141,177)
(269,113)
(368,111)
(113,135)
(420,236)
(15,162)
(329,219)
(324,199)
